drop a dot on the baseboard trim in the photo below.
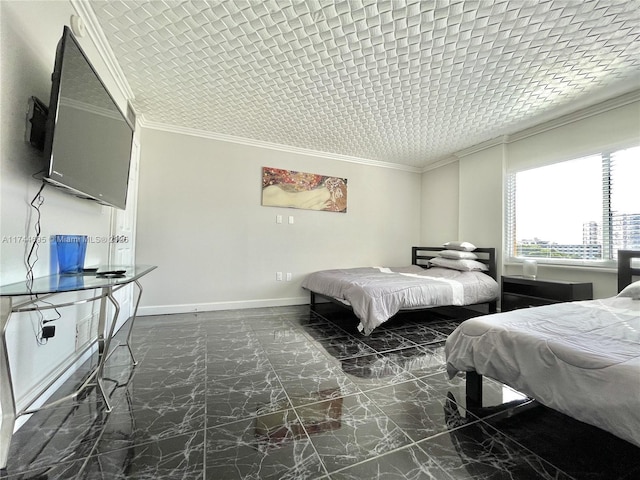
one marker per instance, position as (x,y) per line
(214,306)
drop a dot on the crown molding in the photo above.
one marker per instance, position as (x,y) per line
(494,142)
(97,36)
(144,123)
(440,163)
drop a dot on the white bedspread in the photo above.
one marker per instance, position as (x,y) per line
(378,293)
(580,358)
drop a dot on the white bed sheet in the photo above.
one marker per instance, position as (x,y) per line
(377,293)
(580,358)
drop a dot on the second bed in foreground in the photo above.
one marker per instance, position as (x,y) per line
(580,358)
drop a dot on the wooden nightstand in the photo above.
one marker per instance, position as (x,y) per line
(521,292)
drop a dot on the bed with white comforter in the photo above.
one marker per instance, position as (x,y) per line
(377,293)
(580,358)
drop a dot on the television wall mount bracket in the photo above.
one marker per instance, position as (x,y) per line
(36,129)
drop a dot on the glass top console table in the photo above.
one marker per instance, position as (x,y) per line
(22,297)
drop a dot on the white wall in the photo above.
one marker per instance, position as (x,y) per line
(440,205)
(614,128)
(200,219)
(29,34)
(481,186)
(481,180)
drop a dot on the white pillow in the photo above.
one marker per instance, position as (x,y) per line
(632,290)
(458,254)
(464,246)
(460,264)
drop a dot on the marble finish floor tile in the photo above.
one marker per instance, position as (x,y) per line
(233,398)
(477,452)
(580,450)
(387,341)
(318,328)
(345,346)
(152,420)
(303,356)
(358,430)
(423,360)
(418,408)
(290,393)
(409,463)
(421,334)
(315,379)
(271,446)
(373,371)
(229,363)
(177,458)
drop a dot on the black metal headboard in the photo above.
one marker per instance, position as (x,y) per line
(421,255)
(626,271)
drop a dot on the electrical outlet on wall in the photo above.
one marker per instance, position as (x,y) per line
(86,331)
(83,334)
(279,276)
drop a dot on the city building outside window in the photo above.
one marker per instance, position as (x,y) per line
(580,211)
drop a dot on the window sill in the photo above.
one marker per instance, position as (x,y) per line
(609,267)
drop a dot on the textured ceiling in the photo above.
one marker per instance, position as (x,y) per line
(404,82)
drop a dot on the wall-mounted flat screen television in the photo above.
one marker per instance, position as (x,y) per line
(88,138)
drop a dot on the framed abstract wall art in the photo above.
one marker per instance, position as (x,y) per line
(309,191)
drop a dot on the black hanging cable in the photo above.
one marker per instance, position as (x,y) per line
(32,259)
(35,203)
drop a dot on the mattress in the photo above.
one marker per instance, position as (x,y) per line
(377,293)
(580,358)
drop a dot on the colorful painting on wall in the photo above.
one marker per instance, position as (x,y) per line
(286,188)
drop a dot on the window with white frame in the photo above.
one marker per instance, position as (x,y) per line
(578,211)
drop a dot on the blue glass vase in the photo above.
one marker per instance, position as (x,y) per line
(71,250)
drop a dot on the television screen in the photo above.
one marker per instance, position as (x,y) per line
(88,141)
